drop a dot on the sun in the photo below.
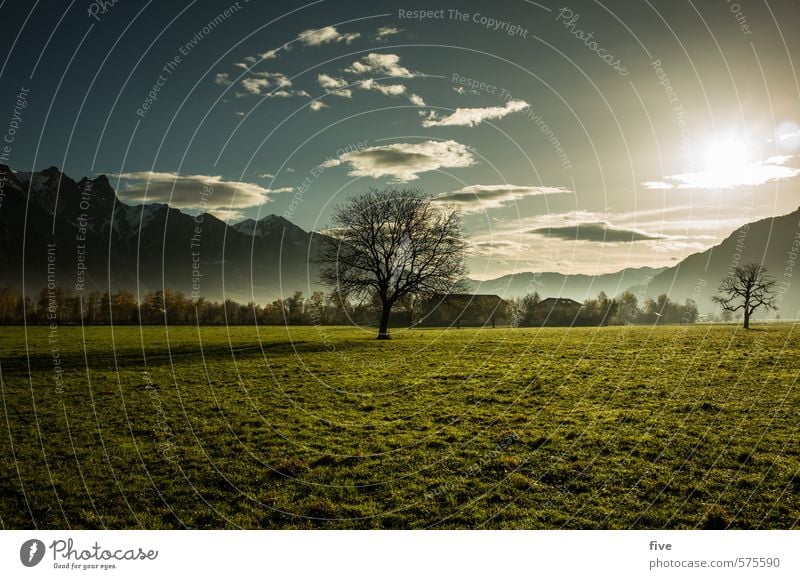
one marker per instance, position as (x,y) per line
(726,155)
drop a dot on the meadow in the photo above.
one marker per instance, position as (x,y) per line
(691,426)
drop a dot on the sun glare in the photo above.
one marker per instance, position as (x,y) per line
(726,155)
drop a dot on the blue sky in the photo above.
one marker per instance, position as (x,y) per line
(576,137)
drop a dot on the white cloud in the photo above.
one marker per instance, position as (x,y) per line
(187,191)
(596,232)
(261,83)
(416,100)
(387,89)
(382,65)
(278,78)
(222,79)
(489,246)
(404,161)
(656,185)
(473,116)
(271,54)
(328,81)
(746,175)
(227,215)
(248,61)
(279,190)
(326,35)
(317,106)
(477,198)
(256,85)
(386,31)
(334,85)
(267,176)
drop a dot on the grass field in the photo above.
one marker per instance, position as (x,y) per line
(619,427)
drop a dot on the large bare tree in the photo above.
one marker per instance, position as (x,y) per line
(393,243)
(748,287)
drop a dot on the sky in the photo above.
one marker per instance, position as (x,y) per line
(578,137)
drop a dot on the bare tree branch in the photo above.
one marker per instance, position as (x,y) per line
(393,243)
(748,287)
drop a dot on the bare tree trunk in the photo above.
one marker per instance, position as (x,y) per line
(383,330)
(746,317)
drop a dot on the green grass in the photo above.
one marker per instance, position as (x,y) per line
(626,427)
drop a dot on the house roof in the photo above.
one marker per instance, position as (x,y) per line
(467,297)
(552,302)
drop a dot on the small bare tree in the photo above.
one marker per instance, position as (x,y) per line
(747,288)
(392,243)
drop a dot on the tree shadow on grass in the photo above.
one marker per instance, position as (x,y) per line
(129,357)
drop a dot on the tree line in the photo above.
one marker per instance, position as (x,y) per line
(57,305)
(604,311)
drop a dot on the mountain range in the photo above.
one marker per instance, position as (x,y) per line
(46,218)
(79,232)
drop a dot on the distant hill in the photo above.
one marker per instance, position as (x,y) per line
(576,287)
(767,241)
